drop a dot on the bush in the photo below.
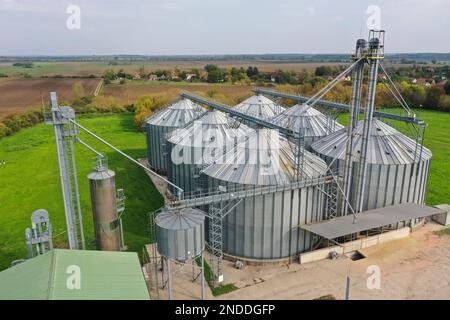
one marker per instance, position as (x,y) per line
(4,130)
(147,105)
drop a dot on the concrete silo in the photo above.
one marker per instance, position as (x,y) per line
(260,107)
(312,123)
(265,227)
(394,174)
(198,144)
(165,121)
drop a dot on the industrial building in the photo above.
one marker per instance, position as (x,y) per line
(259,183)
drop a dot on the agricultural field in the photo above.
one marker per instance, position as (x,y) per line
(23,94)
(97,68)
(30,181)
(130,92)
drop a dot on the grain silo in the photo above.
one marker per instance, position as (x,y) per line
(163,122)
(265,227)
(312,123)
(260,107)
(180,233)
(104,208)
(192,147)
(394,174)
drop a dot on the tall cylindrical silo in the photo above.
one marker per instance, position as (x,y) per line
(396,171)
(312,123)
(180,233)
(266,227)
(193,147)
(162,123)
(260,107)
(104,208)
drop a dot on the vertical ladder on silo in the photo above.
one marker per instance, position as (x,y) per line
(215,241)
(332,201)
(298,147)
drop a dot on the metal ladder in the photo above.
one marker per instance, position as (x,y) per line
(215,241)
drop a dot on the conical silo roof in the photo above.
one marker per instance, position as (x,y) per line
(386,145)
(213,129)
(312,122)
(260,107)
(174,219)
(264,158)
(176,115)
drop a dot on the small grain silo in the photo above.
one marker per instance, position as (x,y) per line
(104,207)
(394,174)
(180,233)
(265,227)
(162,123)
(260,107)
(192,147)
(312,123)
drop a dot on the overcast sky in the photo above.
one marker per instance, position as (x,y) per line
(153,27)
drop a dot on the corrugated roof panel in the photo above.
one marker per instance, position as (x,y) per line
(103,275)
(311,121)
(212,124)
(276,168)
(386,145)
(259,107)
(176,115)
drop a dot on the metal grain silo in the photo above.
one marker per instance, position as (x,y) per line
(162,123)
(106,221)
(192,147)
(394,174)
(311,122)
(180,233)
(266,226)
(260,107)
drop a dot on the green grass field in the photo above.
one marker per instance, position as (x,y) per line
(30,181)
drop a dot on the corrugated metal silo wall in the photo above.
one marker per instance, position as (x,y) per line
(156,146)
(388,185)
(184,174)
(266,227)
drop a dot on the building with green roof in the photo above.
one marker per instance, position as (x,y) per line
(76,275)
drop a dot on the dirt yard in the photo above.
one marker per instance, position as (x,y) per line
(416,267)
(20,94)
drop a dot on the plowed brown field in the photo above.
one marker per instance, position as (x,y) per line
(20,94)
